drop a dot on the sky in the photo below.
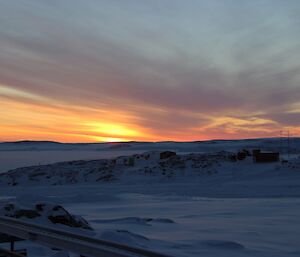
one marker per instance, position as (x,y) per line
(148,70)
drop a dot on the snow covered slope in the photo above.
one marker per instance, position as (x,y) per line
(214,174)
(28,153)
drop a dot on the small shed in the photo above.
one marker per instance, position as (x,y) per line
(264,157)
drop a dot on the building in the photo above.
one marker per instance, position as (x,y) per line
(264,157)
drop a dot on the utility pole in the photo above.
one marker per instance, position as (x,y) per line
(288,145)
(285,137)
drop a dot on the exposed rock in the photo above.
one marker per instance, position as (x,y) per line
(241,156)
(167,154)
(56,214)
(31,214)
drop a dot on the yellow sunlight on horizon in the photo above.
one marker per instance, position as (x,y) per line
(25,115)
(30,116)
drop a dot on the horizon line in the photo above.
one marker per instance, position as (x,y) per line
(133,141)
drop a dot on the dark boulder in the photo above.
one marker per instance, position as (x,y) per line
(241,156)
(167,154)
(59,215)
(31,214)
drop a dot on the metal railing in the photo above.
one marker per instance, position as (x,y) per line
(84,245)
(4,252)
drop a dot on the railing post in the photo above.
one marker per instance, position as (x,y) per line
(12,245)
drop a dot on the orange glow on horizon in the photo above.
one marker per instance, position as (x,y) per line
(27,116)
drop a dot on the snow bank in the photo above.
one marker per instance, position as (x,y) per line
(44,212)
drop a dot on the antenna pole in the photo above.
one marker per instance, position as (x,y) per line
(288,144)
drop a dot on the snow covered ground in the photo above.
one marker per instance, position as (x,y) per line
(26,153)
(182,225)
(210,207)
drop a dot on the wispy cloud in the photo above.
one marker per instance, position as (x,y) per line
(161,69)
